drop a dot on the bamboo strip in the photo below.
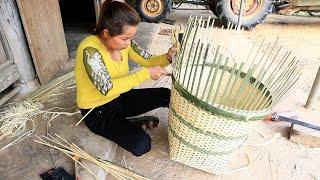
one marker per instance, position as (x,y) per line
(217,66)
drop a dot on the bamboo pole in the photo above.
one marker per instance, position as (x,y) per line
(314,93)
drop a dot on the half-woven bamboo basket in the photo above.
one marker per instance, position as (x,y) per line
(216,100)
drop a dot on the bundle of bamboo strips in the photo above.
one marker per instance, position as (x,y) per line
(77,154)
(15,116)
(53,88)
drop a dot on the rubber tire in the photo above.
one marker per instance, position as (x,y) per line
(225,14)
(145,17)
(213,6)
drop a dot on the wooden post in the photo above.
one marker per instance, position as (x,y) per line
(44,30)
(97,8)
(315,92)
(17,47)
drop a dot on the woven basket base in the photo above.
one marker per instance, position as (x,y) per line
(214,164)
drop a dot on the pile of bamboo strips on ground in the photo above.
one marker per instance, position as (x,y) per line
(14,117)
(78,155)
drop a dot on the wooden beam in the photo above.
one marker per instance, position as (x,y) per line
(314,93)
(304,136)
(44,30)
(14,39)
(9,95)
(306,2)
(3,56)
(97,8)
(9,75)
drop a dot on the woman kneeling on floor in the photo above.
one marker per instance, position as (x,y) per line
(105,84)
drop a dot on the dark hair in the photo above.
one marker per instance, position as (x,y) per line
(114,15)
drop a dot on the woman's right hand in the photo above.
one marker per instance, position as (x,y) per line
(156,72)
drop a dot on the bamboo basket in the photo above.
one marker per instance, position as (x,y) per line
(216,100)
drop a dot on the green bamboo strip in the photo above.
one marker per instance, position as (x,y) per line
(290,85)
(256,54)
(205,30)
(222,99)
(199,55)
(219,83)
(289,76)
(191,20)
(185,42)
(195,148)
(208,29)
(201,131)
(212,31)
(261,59)
(270,78)
(187,65)
(193,59)
(201,25)
(228,25)
(254,90)
(279,81)
(273,61)
(196,70)
(234,83)
(245,83)
(268,101)
(216,52)
(284,74)
(273,47)
(258,79)
(250,53)
(290,89)
(275,78)
(202,68)
(190,50)
(235,116)
(214,78)
(280,65)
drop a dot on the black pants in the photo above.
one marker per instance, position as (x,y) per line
(109,120)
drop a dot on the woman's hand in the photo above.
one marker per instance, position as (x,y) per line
(172,52)
(156,72)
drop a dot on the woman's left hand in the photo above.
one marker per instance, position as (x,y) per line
(171,52)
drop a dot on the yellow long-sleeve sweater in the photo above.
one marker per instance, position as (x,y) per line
(116,73)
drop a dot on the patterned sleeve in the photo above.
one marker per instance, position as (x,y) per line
(139,50)
(140,56)
(97,70)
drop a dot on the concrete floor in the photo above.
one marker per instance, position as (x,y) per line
(27,159)
(280,159)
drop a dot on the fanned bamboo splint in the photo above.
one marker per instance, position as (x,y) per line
(77,154)
(218,95)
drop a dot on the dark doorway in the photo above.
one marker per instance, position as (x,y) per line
(78,17)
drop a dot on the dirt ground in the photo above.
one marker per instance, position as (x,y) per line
(278,158)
